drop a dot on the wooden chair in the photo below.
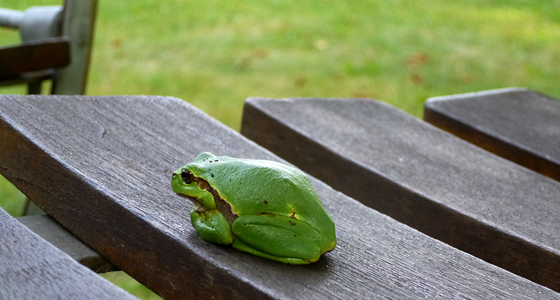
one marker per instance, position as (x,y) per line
(56,45)
(101,167)
(50,35)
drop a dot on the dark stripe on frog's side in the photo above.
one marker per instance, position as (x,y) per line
(221,205)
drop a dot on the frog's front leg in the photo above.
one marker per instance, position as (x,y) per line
(212,226)
(279,238)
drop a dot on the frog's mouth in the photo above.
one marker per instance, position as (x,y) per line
(221,205)
(198,207)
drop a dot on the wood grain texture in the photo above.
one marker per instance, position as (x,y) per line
(518,124)
(31,268)
(101,166)
(421,176)
(45,227)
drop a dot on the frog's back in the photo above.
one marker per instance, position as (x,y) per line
(256,187)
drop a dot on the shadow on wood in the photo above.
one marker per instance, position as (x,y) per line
(52,232)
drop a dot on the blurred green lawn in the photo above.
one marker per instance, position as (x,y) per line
(215,54)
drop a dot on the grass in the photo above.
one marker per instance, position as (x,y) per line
(215,54)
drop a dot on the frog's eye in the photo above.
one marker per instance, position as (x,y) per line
(187,176)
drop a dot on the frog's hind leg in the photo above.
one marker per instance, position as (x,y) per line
(241,246)
(279,238)
(212,226)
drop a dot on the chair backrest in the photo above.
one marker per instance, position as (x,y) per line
(77,24)
(75,21)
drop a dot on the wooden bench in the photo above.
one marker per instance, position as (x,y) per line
(421,176)
(101,167)
(518,124)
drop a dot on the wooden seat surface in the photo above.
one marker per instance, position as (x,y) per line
(421,176)
(101,166)
(32,268)
(518,124)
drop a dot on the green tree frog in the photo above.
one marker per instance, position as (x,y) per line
(262,207)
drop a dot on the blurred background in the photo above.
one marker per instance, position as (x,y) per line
(215,54)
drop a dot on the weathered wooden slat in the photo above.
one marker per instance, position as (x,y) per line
(421,176)
(34,56)
(101,166)
(32,268)
(518,124)
(45,227)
